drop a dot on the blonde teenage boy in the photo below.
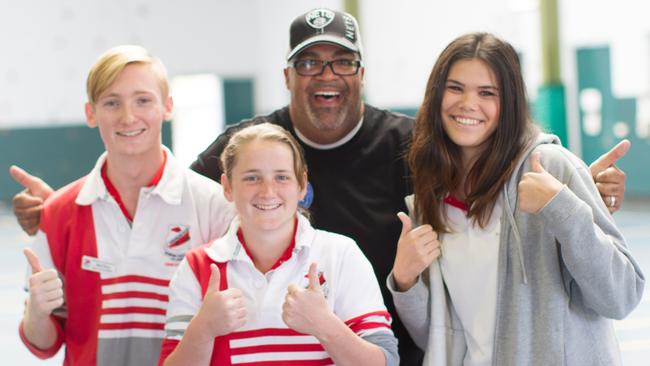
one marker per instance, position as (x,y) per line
(109,242)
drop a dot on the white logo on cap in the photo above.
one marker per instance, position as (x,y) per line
(349,27)
(319,18)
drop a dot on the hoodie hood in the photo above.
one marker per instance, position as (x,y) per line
(510,192)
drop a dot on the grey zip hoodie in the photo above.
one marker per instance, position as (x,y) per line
(563,274)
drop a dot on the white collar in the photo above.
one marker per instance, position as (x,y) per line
(170,187)
(334,144)
(229,248)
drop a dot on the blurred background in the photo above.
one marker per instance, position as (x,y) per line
(586,65)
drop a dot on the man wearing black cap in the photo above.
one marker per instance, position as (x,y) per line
(357,175)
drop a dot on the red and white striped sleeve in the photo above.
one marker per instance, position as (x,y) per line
(184,302)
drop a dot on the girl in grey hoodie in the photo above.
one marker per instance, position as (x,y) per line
(516,259)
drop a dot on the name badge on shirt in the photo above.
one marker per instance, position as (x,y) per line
(96,265)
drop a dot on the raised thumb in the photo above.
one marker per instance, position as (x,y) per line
(609,158)
(33,261)
(406,223)
(314,281)
(36,186)
(215,278)
(535,162)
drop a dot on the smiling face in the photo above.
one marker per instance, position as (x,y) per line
(130,113)
(264,187)
(325,107)
(470,106)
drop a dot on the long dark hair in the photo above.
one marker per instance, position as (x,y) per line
(435,160)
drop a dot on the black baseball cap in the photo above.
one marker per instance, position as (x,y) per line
(323,25)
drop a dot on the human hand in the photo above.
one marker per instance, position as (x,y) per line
(610,180)
(29,203)
(416,250)
(537,187)
(306,310)
(45,288)
(222,312)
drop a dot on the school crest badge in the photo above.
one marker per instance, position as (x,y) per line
(176,242)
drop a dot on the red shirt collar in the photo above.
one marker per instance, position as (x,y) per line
(453,201)
(116,195)
(287,252)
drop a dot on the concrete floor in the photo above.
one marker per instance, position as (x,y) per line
(633,332)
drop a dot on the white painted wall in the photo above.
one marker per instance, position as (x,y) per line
(403,41)
(48,46)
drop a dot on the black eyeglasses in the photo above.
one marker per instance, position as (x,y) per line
(340,67)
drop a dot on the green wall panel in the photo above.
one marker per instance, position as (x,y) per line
(549,110)
(238,100)
(59,155)
(594,71)
(409,111)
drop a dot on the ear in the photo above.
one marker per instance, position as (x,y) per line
(169,107)
(90,115)
(286,77)
(362,73)
(303,191)
(227,189)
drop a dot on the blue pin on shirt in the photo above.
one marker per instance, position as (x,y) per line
(309,197)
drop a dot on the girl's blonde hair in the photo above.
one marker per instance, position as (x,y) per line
(266,132)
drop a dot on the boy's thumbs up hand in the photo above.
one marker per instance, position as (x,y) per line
(45,288)
(416,250)
(537,187)
(33,261)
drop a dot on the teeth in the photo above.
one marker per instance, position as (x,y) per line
(466,121)
(327,94)
(267,207)
(130,133)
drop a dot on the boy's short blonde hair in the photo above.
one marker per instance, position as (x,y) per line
(103,73)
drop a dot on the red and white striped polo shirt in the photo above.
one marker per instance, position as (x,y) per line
(116,272)
(347,278)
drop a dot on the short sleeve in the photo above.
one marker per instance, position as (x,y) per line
(359,302)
